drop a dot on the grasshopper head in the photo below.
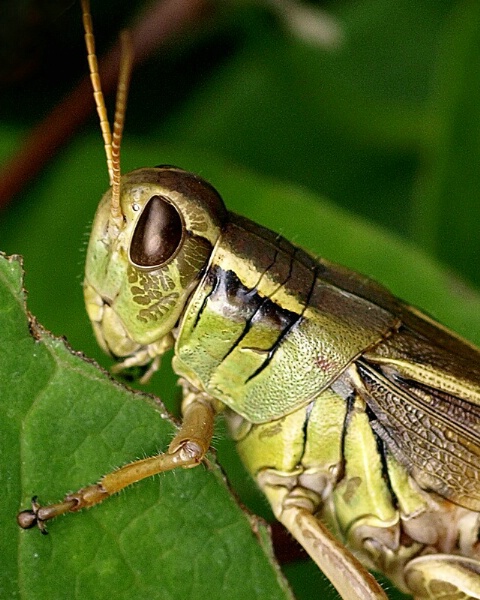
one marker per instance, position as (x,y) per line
(152,235)
(140,273)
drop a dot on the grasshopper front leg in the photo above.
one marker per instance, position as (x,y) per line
(186,450)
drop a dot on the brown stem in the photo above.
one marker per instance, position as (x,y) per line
(159,22)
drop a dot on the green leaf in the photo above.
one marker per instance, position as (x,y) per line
(64,424)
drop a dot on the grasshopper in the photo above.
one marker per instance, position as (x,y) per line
(357,415)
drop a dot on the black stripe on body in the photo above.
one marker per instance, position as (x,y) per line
(248,305)
(280,270)
(292,323)
(211,280)
(262,307)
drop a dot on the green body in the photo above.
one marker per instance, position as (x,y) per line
(265,332)
(332,387)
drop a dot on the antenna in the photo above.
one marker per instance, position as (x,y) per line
(112,143)
(126,60)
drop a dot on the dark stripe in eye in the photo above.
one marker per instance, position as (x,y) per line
(157,234)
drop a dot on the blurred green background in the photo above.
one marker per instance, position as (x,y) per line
(365,150)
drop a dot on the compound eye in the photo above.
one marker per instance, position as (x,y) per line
(157,234)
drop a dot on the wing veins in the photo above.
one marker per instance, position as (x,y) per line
(419,403)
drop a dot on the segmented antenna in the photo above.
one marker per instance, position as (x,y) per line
(119,119)
(112,143)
